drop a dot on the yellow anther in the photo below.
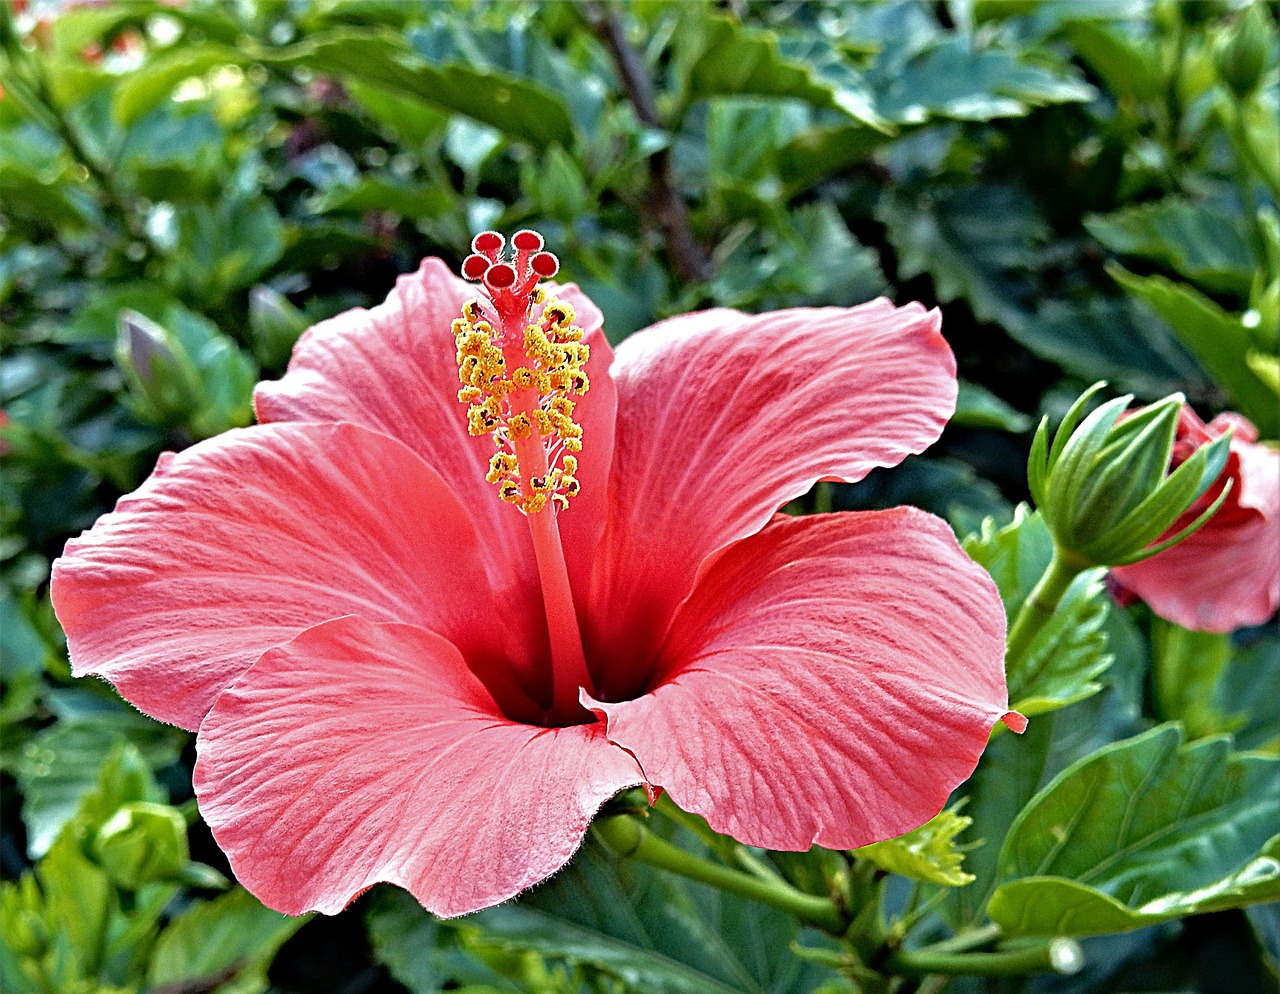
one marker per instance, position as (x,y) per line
(518,426)
(528,401)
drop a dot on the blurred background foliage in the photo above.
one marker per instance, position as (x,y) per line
(1088,188)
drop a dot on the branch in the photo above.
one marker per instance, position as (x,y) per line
(669,210)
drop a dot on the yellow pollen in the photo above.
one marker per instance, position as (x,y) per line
(531,400)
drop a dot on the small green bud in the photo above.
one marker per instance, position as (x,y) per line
(274,326)
(22,925)
(142,843)
(161,376)
(1104,487)
(1240,51)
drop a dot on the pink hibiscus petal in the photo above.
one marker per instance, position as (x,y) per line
(1218,580)
(360,753)
(393,370)
(724,417)
(830,680)
(1227,574)
(237,544)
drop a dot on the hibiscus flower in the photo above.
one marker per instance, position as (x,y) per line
(425,635)
(1226,574)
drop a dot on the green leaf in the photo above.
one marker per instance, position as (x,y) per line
(978,407)
(1069,653)
(928,853)
(1143,831)
(719,56)
(1204,245)
(655,931)
(1189,667)
(1106,339)
(947,487)
(224,247)
(375,193)
(977,243)
(1220,341)
(523,929)
(1254,663)
(382,59)
(406,117)
(517,51)
(61,765)
(421,952)
(233,937)
(98,935)
(148,86)
(954,79)
(824,150)
(22,651)
(809,258)
(1127,65)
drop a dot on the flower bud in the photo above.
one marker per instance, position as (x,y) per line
(1240,53)
(1104,487)
(142,843)
(21,924)
(160,374)
(274,326)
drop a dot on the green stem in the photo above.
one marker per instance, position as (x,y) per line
(630,840)
(1055,956)
(726,848)
(967,940)
(824,495)
(1040,604)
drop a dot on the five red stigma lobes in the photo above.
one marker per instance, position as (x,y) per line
(518,371)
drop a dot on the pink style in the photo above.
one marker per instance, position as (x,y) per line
(1227,574)
(425,632)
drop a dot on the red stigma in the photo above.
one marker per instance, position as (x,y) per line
(510,282)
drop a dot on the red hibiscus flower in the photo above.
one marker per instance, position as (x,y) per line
(417,656)
(1227,574)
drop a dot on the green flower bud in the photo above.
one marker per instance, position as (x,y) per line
(161,376)
(142,843)
(1240,52)
(1104,488)
(21,924)
(274,325)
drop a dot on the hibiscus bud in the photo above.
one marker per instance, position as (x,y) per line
(161,375)
(1240,54)
(274,326)
(1104,487)
(21,925)
(142,843)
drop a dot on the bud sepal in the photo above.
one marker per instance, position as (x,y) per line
(1104,485)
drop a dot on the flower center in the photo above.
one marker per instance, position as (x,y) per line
(518,370)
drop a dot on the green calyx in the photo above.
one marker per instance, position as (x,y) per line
(1102,483)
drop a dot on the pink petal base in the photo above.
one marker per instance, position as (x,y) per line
(363,752)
